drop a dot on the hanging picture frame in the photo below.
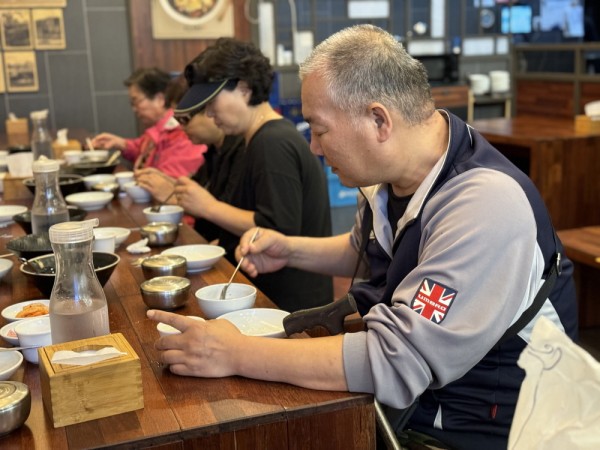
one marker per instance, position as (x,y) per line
(181,19)
(33,3)
(48,29)
(15,26)
(21,72)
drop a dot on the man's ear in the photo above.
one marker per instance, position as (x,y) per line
(381,120)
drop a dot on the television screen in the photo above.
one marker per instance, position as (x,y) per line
(564,15)
(516,19)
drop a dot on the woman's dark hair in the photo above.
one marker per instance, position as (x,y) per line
(175,90)
(150,81)
(231,59)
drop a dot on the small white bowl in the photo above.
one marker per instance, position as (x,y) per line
(72,156)
(123,177)
(239,296)
(7,332)
(121,234)
(263,322)
(137,193)
(167,213)
(199,257)
(97,155)
(10,312)
(97,178)
(33,332)
(168,330)
(8,211)
(5,266)
(90,201)
(9,363)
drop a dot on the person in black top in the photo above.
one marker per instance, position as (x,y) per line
(283,186)
(219,174)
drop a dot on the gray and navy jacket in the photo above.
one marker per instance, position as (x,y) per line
(470,253)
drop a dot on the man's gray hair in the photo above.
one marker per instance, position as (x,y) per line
(364,64)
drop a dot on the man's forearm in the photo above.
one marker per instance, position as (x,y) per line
(311,363)
(331,255)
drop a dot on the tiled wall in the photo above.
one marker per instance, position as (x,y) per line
(82,86)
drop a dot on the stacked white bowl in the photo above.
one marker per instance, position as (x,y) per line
(499,81)
(480,83)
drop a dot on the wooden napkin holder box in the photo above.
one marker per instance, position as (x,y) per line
(74,394)
(585,125)
(17,132)
(59,149)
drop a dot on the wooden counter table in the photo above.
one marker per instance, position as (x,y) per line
(582,246)
(182,412)
(563,164)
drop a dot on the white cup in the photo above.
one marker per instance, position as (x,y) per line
(33,332)
(19,164)
(123,177)
(104,241)
(72,156)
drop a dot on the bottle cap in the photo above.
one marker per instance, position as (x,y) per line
(45,165)
(71,232)
(39,114)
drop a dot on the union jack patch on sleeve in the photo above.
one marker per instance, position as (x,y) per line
(432,300)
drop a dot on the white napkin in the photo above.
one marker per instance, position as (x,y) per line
(85,357)
(139,246)
(61,137)
(558,402)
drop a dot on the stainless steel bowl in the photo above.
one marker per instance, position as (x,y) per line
(160,233)
(15,405)
(164,265)
(168,292)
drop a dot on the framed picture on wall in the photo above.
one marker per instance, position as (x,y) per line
(21,72)
(2,85)
(15,25)
(33,3)
(189,19)
(48,29)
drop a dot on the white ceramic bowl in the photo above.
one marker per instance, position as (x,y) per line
(263,322)
(121,234)
(72,156)
(8,211)
(33,332)
(97,178)
(5,266)
(167,213)
(168,330)
(7,332)
(9,363)
(97,155)
(123,177)
(10,312)
(199,256)
(239,296)
(90,201)
(137,193)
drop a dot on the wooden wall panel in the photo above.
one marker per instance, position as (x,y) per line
(544,98)
(171,54)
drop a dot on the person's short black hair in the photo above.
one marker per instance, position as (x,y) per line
(230,59)
(151,81)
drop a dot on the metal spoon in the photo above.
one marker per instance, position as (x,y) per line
(28,263)
(156,208)
(224,290)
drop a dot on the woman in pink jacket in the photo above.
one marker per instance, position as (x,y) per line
(163,145)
